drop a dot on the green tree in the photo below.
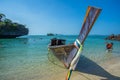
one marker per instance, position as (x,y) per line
(1,16)
(9,29)
(8,22)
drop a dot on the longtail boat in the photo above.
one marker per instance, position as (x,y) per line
(69,54)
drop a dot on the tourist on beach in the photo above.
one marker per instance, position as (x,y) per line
(109,46)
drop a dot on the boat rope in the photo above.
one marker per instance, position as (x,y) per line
(68,75)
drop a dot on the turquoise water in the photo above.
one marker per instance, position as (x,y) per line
(26,58)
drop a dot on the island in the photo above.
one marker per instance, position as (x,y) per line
(10,29)
(113,37)
(50,34)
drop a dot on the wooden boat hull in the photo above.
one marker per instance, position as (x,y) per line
(61,51)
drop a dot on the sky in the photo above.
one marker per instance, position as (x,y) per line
(62,16)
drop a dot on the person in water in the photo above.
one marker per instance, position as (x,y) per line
(109,46)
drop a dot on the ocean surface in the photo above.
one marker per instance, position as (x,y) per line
(26,58)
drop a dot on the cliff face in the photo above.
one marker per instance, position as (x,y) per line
(12,31)
(9,29)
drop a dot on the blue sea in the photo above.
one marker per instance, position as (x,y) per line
(26,58)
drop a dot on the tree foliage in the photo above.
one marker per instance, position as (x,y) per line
(9,28)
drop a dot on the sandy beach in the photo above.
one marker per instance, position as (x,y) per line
(108,70)
(87,70)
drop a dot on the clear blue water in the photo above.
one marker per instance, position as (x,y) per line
(25,58)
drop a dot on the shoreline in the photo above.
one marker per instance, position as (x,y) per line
(33,64)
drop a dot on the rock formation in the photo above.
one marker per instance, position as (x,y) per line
(113,37)
(9,29)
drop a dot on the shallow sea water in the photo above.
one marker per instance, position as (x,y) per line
(26,58)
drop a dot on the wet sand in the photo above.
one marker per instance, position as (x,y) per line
(86,70)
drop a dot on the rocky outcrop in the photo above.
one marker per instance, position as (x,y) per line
(50,34)
(9,29)
(113,37)
(13,31)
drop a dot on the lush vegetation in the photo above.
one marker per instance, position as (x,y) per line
(10,29)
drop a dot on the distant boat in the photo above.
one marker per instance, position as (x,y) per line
(69,54)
